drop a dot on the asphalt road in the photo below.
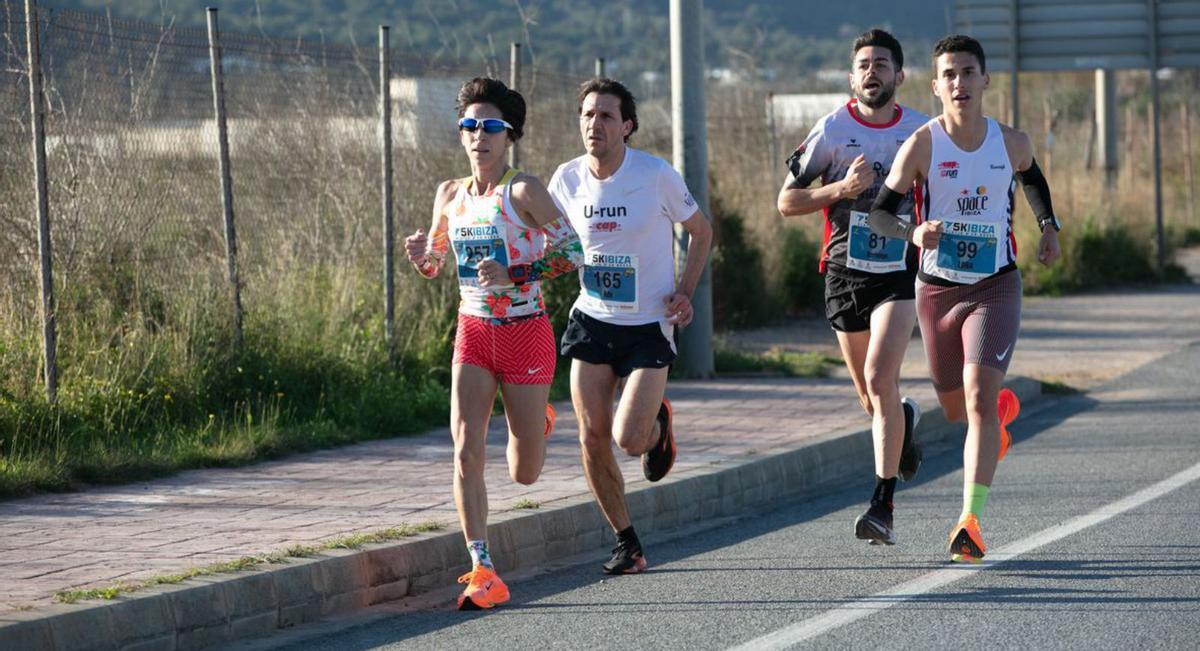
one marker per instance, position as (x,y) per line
(1093,529)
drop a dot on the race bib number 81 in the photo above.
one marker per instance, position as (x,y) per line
(871,252)
(611,279)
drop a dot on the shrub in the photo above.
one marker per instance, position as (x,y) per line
(1093,255)
(741,295)
(801,287)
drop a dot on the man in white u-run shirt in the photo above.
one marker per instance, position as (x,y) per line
(624,204)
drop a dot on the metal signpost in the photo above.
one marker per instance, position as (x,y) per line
(1055,35)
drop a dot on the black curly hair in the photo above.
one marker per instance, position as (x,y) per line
(484,90)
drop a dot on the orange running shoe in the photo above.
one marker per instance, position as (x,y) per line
(657,461)
(550,417)
(1007,406)
(966,543)
(484,589)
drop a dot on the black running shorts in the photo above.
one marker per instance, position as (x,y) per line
(850,301)
(623,347)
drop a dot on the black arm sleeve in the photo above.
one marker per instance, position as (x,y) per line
(1037,192)
(882,218)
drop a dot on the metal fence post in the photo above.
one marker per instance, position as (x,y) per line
(218,83)
(385,136)
(1015,61)
(37,112)
(514,82)
(599,67)
(772,141)
(1156,135)
(1188,172)
(691,159)
(1106,116)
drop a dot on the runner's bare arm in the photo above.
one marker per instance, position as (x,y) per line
(911,166)
(1037,191)
(813,159)
(564,251)
(679,304)
(795,200)
(428,254)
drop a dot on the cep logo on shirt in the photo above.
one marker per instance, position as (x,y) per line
(611,212)
(948,169)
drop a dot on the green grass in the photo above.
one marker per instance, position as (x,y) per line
(246,563)
(164,390)
(1056,388)
(773,362)
(525,503)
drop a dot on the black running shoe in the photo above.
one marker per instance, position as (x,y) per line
(657,462)
(910,458)
(626,559)
(876,525)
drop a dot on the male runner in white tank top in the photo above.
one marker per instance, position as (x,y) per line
(968,286)
(868,278)
(624,204)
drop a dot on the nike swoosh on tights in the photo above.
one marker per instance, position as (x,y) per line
(1000,356)
(534,370)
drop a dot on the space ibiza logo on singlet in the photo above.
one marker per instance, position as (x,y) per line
(487,227)
(971,193)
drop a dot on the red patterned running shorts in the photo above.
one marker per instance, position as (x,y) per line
(521,351)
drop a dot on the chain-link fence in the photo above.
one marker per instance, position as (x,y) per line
(135,189)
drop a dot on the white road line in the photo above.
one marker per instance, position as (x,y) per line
(856,610)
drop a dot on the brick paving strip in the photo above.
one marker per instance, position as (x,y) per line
(742,441)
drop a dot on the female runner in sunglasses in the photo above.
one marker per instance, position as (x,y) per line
(507,234)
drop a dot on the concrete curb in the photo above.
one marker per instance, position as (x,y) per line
(210,611)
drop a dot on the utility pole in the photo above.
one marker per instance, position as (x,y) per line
(689,140)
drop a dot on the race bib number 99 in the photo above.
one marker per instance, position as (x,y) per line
(871,252)
(611,280)
(967,250)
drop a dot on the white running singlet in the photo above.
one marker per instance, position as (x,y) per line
(972,194)
(625,224)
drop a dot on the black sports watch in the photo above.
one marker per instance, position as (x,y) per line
(1050,221)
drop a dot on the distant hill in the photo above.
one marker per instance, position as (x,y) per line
(791,38)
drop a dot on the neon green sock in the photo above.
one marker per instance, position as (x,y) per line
(974,499)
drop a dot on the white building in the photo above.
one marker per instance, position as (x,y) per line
(802,110)
(423,112)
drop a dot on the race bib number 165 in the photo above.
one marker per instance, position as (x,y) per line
(611,279)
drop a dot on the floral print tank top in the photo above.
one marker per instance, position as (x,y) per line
(488,227)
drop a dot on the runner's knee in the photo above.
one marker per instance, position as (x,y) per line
(594,439)
(881,387)
(629,442)
(468,461)
(524,473)
(978,403)
(954,409)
